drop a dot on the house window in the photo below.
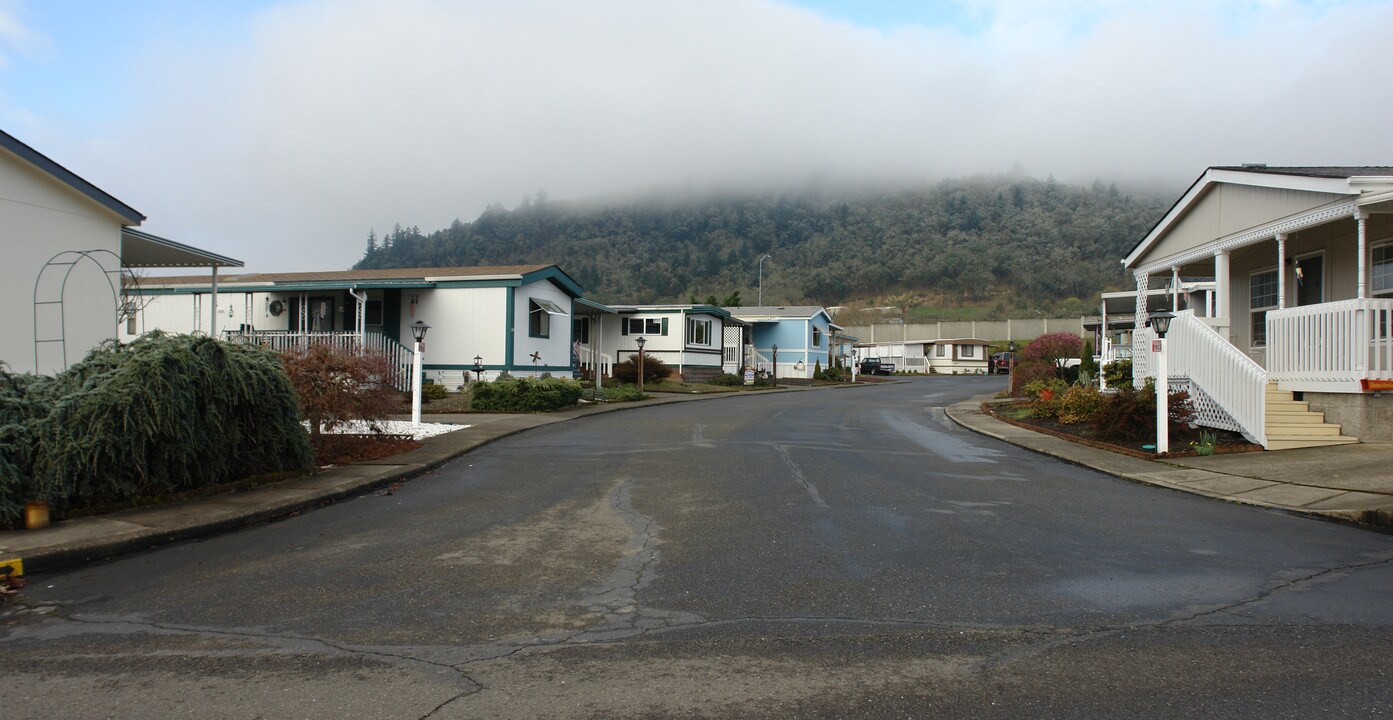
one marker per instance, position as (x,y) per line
(539,312)
(1262,296)
(580,330)
(698,332)
(372,312)
(817,337)
(645,326)
(940,350)
(1382,281)
(967,351)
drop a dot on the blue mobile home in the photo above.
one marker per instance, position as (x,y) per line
(803,334)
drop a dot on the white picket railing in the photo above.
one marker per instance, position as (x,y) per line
(1231,388)
(398,356)
(1331,346)
(604,364)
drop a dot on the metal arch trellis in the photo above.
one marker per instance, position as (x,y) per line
(48,282)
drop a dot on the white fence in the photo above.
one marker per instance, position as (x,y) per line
(1331,346)
(397,355)
(1228,389)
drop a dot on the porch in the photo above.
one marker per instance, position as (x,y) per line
(397,356)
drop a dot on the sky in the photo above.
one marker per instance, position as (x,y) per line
(281,132)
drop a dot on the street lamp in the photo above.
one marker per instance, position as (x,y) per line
(418,332)
(640,342)
(1160,321)
(478,368)
(855,363)
(776,367)
(760,302)
(1011,366)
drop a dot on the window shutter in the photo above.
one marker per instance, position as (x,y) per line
(664,326)
(624,326)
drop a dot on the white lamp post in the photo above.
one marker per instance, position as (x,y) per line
(855,356)
(760,301)
(640,342)
(775,365)
(1161,322)
(418,332)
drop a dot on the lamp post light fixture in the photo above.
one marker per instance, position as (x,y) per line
(478,369)
(1160,321)
(640,342)
(418,333)
(776,367)
(1011,366)
(760,301)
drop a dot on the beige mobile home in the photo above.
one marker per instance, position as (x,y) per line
(1302,264)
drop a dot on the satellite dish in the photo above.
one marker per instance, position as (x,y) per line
(277,307)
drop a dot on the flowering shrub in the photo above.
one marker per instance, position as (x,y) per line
(1078,404)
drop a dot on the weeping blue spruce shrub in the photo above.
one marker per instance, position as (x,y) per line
(162,414)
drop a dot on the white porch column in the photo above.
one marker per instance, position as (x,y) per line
(1175,288)
(1360,217)
(1281,270)
(213,320)
(1221,286)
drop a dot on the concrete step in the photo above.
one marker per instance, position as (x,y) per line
(1286,429)
(1278,442)
(1295,418)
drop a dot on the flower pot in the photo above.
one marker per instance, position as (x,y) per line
(36,514)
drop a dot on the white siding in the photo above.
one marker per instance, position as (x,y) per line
(1227,209)
(40,218)
(554,350)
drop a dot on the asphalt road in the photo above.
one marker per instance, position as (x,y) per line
(839,553)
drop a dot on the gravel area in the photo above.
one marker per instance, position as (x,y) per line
(397,427)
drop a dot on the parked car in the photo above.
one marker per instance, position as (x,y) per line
(873,366)
(1001,363)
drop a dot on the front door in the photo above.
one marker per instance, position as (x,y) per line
(1309,274)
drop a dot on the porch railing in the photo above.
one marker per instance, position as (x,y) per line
(596,362)
(398,356)
(1331,346)
(1229,390)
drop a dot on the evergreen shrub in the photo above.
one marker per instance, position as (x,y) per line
(162,414)
(654,370)
(727,380)
(525,395)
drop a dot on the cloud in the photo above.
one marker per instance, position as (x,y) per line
(16,38)
(334,117)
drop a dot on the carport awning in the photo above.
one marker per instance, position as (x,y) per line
(143,250)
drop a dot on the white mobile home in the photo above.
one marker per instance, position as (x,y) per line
(67,247)
(688,338)
(513,318)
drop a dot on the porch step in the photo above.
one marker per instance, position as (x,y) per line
(1277,442)
(1292,424)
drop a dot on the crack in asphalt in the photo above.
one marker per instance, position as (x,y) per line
(798,476)
(1099,633)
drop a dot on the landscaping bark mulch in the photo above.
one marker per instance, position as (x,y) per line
(1182,443)
(342,449)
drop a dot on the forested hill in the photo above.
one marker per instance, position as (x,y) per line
(1019,242)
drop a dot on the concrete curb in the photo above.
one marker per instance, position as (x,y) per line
(100,537)
(1242,489)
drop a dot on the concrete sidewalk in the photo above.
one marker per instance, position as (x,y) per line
(1349,483)
(85,539)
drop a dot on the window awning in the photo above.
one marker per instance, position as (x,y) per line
(548,307)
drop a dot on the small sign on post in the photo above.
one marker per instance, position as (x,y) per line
(1155,346)
(749,376)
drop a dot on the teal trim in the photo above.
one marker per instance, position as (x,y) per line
(450,366)
(508,333)
(297,287)
(695,309)
(541,368)
(593,305)
(557,277)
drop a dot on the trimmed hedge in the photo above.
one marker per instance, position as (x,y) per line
(162,414)
(524,395)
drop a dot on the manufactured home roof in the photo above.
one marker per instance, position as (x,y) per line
(71,179)
(421,274)
(1328,171)
(383,278)
(776,311)
(1336,179)
(143,250)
